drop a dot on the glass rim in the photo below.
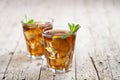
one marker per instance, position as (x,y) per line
(45,34)
(42,19)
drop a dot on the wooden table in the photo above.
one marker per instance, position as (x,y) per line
(97,50)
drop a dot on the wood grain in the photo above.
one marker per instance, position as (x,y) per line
(97,49)
(22,67)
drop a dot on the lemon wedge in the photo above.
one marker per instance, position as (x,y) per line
(54,37)
(61,46)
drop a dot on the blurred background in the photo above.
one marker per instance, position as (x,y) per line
(97,17)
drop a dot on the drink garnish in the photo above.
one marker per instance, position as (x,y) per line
(29,22)
(73,29)
(56,37)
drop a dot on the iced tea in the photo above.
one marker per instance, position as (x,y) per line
(33,36)
(59,51)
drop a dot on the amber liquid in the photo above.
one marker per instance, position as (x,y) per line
(58,51)
(34,39)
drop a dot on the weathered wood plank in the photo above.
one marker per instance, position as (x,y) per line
(7,50)
(113,46)
(4,60)
(99,34)
(10,32)
(22,67)
(84,66)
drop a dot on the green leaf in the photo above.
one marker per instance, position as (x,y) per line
(69,26)
(31,21)
(65,36)
(73,29)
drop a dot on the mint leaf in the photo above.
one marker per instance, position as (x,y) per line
(65,36)
(73,29)
(31,21)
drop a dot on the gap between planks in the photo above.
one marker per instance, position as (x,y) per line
(12,53)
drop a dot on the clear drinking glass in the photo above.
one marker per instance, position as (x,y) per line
(33,35)
(59,51)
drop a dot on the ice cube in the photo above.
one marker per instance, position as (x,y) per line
(29,34)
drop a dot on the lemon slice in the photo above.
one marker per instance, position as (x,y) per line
(61,46)
(54,37)
(29,34)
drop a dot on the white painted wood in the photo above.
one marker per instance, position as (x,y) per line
(4,60)
(22,67)
(99,37)
(99,34)
(113,46)
(8,45)
(84,67)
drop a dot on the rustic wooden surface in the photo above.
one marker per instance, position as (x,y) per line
(97,50)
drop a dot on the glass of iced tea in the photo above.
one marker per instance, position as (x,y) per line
(32,30)
(59,50)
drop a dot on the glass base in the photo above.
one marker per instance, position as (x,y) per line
(36,57)
(58,71)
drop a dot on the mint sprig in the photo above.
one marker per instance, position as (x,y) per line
(30,21)
(73,29)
